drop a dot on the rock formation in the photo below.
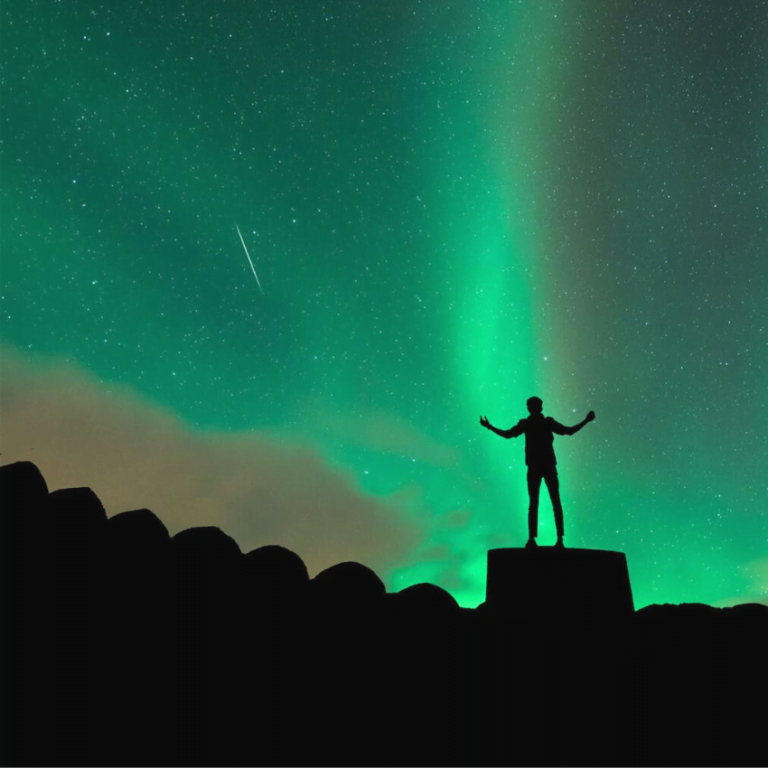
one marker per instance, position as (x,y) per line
(123,645)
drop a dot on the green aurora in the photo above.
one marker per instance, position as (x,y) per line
(451,207)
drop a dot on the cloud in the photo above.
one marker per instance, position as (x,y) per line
(133,453)
(382,432)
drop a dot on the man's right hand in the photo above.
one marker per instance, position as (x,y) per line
(591,416)
(484,421)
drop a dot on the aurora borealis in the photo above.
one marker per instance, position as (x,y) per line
(451,207)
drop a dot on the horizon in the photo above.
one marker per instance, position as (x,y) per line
(446,211)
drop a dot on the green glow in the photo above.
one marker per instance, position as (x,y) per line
(450,209)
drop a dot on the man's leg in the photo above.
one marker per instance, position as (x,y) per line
(534,485)
(553,486)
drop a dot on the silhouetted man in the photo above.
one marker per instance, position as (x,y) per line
(540,431)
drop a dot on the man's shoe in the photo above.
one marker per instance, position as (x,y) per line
(531,544)
(559,544)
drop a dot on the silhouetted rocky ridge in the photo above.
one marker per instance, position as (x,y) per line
(122,645)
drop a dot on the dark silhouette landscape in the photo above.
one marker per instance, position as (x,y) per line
(122,645)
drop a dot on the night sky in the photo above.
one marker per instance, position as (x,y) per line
(450,207)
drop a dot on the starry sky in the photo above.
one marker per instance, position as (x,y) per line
(450,207)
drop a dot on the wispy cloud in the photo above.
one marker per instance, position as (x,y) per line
(133,453)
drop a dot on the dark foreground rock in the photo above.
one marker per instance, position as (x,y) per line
(124,646)
(581,582)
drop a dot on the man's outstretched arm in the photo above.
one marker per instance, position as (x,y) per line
(561,429)
(516,431)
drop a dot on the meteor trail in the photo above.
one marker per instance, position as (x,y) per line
(248,256)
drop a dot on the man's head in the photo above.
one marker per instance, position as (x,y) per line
(535,405)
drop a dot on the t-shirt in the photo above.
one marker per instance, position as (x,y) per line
(540,431)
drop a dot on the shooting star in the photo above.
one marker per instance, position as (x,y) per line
(248,256)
